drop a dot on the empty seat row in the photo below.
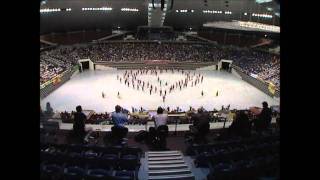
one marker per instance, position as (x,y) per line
(246,143)
(54,171)
(107,161)
(250,169)
(91,149)
(88,157)
(206,157)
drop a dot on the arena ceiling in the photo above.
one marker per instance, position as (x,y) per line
(77,19)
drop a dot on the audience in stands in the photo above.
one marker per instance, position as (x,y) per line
(264,65)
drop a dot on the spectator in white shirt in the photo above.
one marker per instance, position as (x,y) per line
(160,118)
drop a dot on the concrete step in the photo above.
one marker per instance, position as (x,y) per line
(168,166)
(162,155)
(166,162)
(162,152)
(180,177)
(165,158)
(169,172)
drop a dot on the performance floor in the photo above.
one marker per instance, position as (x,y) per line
(86,89)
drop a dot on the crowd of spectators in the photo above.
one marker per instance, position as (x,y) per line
(265,65)
(53,63)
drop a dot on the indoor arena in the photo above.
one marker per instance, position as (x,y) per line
(159,89)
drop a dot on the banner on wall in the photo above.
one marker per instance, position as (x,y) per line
(272,88)
(56,80)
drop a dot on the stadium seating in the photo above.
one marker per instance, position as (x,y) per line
(244,159)
(265,65)
(89,162)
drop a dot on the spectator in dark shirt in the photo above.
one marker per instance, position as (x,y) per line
(201,125)
(49,110)
(79,123)
(264,118)
(241,125)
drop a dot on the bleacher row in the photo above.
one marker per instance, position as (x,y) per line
(241,159)
(89,162)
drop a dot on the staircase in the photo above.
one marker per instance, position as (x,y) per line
(167,165)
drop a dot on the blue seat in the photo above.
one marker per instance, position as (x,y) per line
(52,168)
(113,150)
(129,162)
(47,156)
(74,173)
(131,150)
(50,171)
(90,156)
(124,175)
(224,171)
(93,174)
(98,149)
(74,157)
(76,148)
(109,159)
(203,159)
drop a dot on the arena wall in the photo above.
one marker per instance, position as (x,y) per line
(210,68)
(261,85)
(102,67)
(234,72)
(138,65)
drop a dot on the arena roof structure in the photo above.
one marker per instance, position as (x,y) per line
(76,15)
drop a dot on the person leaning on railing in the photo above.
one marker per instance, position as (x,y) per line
(119,119)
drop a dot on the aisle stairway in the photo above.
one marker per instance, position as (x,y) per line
(167,165)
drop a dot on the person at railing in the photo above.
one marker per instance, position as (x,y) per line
(263,121)
(200,127)
(79,124)
(160,118)
(157,135)
(119,119)
(49,110)
(241,126)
